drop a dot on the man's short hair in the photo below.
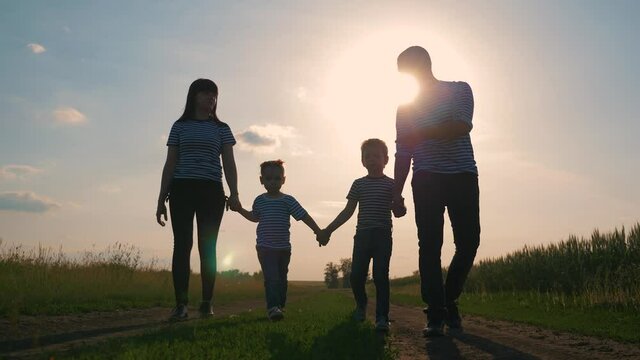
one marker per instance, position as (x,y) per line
(279,164)
(375,143)
(415,55)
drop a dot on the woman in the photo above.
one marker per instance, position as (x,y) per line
(192,183)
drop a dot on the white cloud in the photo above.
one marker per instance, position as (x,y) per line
(36,48)
(26,201)
(18,172)
(264,138)
(69,116)
(66,29)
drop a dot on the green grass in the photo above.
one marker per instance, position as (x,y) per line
(43,281)
(316,327)
(603,269)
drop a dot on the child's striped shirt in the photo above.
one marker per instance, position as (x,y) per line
(374,197)
(273,220)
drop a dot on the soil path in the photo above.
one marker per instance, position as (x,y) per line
(35,336)
(490,339)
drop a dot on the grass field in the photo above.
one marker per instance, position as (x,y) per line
(315,327)
(44,281)
(590,286)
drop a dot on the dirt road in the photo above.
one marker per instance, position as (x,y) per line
(36,337)
(489,339)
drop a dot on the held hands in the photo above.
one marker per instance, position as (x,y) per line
(322,237)
(397,206)
(233,203)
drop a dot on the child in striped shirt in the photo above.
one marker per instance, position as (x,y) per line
(373,231)
(271,211)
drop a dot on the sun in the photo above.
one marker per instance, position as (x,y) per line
(363,88)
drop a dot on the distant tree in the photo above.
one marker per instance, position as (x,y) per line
(234,274)
(258,275)
(331,272)
(345,269)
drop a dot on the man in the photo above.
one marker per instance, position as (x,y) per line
(434,132)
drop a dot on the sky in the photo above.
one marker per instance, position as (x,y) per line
(90,90)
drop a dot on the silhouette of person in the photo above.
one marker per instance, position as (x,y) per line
(192,184)
(433,131)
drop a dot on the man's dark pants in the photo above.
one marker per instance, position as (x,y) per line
(459,193)
(373,244)
(275,266)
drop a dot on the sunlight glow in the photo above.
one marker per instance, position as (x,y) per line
(363,87)
(227,261)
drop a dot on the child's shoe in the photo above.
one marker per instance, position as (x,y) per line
(275,314)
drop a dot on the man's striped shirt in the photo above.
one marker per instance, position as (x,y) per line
(446,101)
(374,201)
(273,220)
(199,145)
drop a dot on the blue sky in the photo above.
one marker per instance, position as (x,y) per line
(90,89)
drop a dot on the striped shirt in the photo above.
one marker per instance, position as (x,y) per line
(445,102)
(273,220)
(199,145)
(374,201)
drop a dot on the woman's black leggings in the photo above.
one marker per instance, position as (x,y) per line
(205,199)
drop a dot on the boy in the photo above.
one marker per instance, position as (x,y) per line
(271,211)
(373,231)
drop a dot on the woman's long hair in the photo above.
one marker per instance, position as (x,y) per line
(190,107)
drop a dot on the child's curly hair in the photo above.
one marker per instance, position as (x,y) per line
(272,163)
(375,143)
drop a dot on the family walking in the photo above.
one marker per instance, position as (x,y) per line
(432,131)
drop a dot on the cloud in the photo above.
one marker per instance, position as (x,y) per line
(26,201)
(36,48)
(69,116)
(264,138)
(13,172)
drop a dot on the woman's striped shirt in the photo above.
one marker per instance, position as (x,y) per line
(273,220)
(374,201)
(445,102)
(199,145)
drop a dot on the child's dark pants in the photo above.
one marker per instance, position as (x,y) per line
(275,266)
(373,244)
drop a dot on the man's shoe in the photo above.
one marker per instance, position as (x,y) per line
(435,323)
(206,309)
(360,313)
(179,313)
(275,314)
(433,329)
(453,319)
(382,324)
